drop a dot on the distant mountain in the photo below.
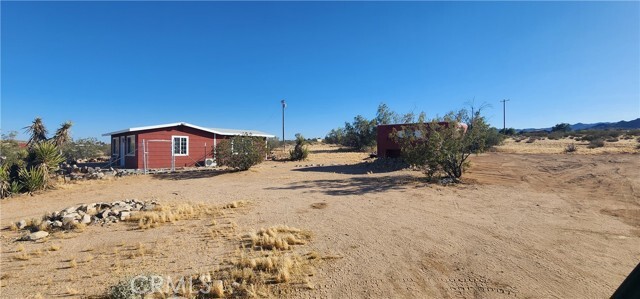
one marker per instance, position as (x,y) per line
(632,124)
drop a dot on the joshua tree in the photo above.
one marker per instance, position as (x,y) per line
(37,132)
(63,134)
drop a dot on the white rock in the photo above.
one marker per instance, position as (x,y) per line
(68,219)
(21,224)
(125,215)
(38,235)
(86,219)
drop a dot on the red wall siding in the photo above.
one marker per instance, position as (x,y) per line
(200,146)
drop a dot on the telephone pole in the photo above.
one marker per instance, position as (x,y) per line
(504,116)
(284,105)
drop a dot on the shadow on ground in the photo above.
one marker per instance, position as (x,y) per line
(360,168)
(189,175)
(353,186)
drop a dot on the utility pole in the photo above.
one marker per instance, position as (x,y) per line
(284,147)
(504,116)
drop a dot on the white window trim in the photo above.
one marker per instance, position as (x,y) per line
(115,146)
(173,146)
(126,149)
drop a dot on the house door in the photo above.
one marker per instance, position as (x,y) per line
(122,151)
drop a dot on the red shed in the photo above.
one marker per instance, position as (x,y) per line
(169,145)
(387,147)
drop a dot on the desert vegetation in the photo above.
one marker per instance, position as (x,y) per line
(300,152)
(360,134)
(241,152)
(442,146)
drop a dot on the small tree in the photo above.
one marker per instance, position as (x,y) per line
(299,152)
(443,145)
(240,152)
(562,127)
(85,148)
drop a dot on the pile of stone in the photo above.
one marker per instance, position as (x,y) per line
(79,173)
(94,213)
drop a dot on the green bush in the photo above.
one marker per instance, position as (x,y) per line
(299,152)
(85,148)
(445,148)
(240,152)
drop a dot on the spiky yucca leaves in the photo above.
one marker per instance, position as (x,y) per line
(4,181)
(37,132)
(63,134)
(34,178)
(47,153)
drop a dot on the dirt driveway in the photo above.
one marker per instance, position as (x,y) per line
(523,226)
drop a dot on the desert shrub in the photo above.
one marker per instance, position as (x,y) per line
(613,139)
(299,152)
(596,143)
(361,133)
(531,139)
(562,127)
(445,148)
(335,136)
(33,178)
(85,148)
(508,131)
(240,152)
(556,135)
(571,148)
(132,288)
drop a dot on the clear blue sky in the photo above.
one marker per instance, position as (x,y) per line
(111,65)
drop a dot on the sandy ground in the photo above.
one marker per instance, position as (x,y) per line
(522,226)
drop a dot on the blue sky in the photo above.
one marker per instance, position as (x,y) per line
(111,65)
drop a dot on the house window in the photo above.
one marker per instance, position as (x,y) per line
(115,146)
(131,145)
(181,145)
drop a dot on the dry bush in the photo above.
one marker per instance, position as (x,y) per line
(22,257)
(73,263)
(170,214)
(54,247)
(278,237)
(263,266)
(571,148)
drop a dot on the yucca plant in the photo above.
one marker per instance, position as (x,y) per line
(63,134)
(4,181)
(15,187)
(33,178)
(47,154)
(37,132)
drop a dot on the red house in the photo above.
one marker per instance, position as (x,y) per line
(169,146)
(387,147)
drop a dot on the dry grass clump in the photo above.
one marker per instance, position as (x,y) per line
(170,214)
(22,257)
(278,237)
(271,267)
(54,247)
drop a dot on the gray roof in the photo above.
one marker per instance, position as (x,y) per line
(230,132)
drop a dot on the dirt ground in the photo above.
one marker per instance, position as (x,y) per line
(521,226)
